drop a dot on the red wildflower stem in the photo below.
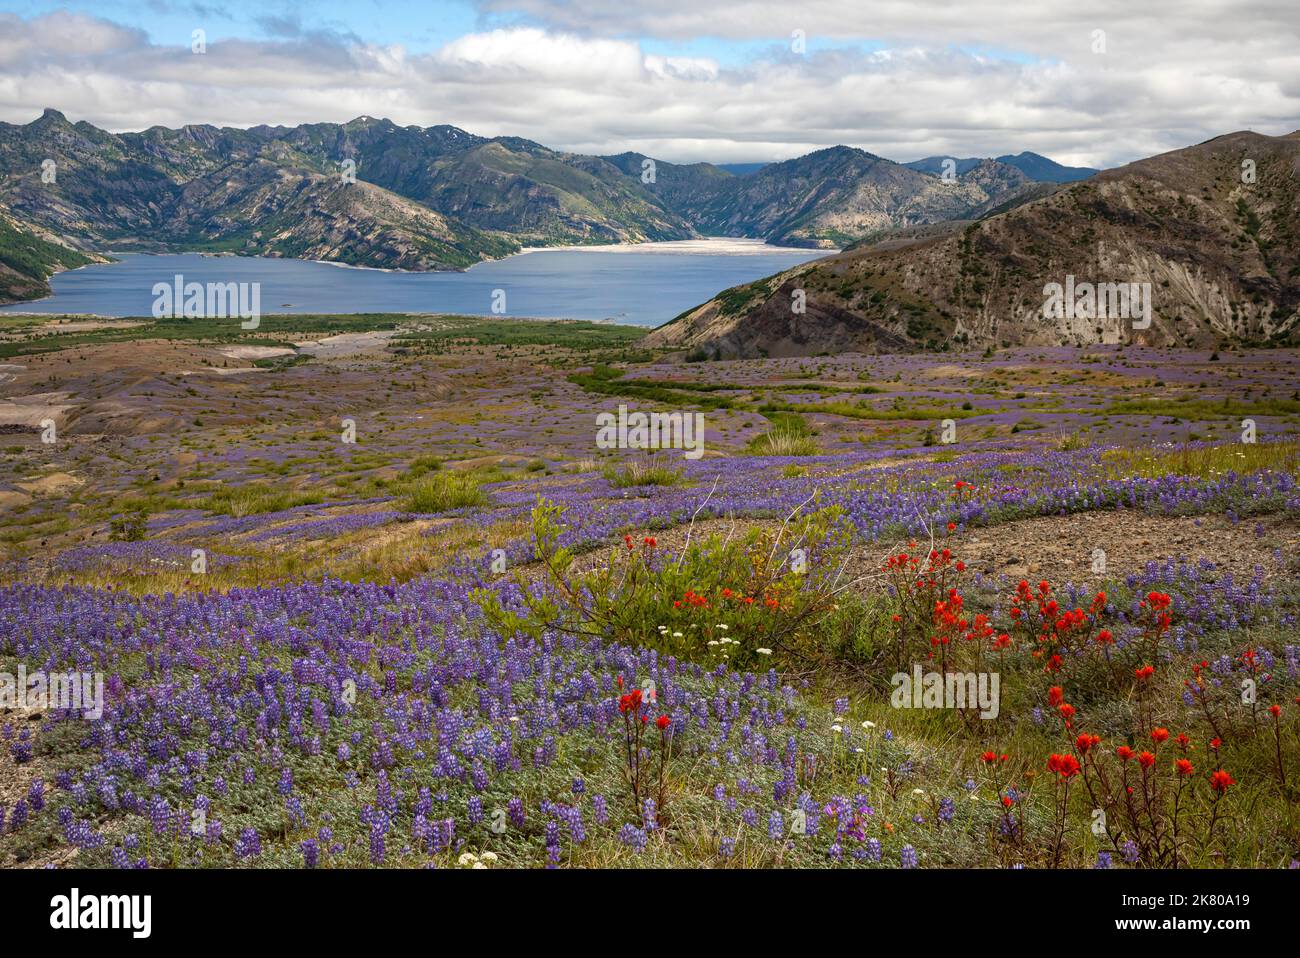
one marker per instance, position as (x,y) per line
(631,765)
(1149,790)
(665,740)
(1220,781)
(1214,817)
(1277,742)
(1178,797)
(1133,817)
(1061,811)
(1107,805)
(1203,699)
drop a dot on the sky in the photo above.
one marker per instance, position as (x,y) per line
(1095,83)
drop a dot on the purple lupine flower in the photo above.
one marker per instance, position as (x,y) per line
(908,856)
(515,810)
(633,837)
(310,853)
(775,825)
(947,808)
(249,844)
(160,814)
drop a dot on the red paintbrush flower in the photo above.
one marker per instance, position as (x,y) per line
(1220,780)
(1067,766)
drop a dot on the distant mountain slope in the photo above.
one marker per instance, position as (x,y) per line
(823,200)
(200,187)
(935,165)
(27,261)
(1043,170)
(1221,257)
(1035,166)
(436,198)
(507,184)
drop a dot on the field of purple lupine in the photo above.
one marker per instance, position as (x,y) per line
(390,604)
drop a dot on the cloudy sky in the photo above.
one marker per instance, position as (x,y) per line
(1087,83)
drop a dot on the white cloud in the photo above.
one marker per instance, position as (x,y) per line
(967,79)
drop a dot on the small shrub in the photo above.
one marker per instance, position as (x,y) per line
(1071,441)
(789,436)
(636,472)
(443,491)
(131,527)
(745,600)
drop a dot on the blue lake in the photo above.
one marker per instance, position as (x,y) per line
(643,285)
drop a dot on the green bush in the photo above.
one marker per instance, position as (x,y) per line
(790,435)
(636,472)
(751,600)
(256,498)
(443,491)
(131,527)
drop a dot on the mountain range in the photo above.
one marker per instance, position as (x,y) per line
(1209,235)
(372,193)
(1034,166)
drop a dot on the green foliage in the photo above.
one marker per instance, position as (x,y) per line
(131,527)
(790,435)
(636,472)
(864,410)
(607,381)
(422,465)
(750,600)
(442,491)
(33,258)
(256,498)
(571,334)
(1188,408)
